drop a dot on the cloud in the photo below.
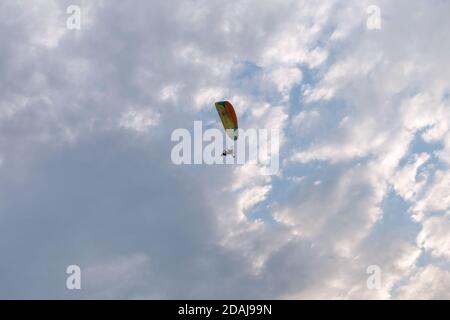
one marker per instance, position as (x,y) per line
(404,181)
(430,282)
(434,236)
(86,176)
(140,121)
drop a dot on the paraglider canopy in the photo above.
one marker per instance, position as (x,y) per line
(228,117)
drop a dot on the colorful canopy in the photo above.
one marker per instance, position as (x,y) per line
(228,117)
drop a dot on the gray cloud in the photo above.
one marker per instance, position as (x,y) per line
(85,170)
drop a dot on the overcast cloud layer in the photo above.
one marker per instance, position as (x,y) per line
(86,176)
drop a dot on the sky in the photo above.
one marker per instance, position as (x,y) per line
(87,179)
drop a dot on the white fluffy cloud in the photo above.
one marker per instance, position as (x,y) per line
(429,282)
(85,170)
(435,236)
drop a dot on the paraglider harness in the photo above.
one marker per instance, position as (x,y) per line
(227,152)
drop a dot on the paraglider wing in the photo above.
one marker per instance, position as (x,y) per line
(228,117)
